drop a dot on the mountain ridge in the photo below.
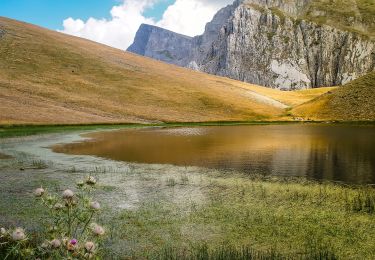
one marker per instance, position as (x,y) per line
(262,44)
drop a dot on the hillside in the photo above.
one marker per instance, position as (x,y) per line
(47,78)
(354,101)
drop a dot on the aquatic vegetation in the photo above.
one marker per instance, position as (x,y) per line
(70,228)
(39,164)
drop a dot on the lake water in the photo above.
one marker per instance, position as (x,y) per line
(322,152)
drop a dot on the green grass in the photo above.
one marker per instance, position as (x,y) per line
(285,218)
(7,131)
(234,216)
(27,130)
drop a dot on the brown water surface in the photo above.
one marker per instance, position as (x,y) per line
(322,152)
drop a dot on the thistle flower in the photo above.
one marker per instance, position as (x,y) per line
(90,247)
(18,234)
(95,205)
(90,180)
(39,192)
(68,194)
(56,243)
(97,230)
(72,245)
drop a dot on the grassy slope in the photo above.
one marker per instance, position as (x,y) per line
(350,15)
(49,78)
(354,101)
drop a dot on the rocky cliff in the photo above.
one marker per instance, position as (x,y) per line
(161,44)
(275,43)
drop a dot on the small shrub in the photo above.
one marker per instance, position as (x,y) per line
(71,230)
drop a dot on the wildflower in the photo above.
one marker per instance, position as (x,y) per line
(72,245)
(68,194)
(56,243)
(58,206)
(18,234)
(95,205)
(90,180)
(97,230)
(39,192)
(90,247)
(3,231)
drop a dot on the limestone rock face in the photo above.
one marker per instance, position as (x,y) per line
(265,42)
(161,44)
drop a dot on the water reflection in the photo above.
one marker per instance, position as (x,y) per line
(340,153)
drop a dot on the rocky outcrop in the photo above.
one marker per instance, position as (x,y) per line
(161,44)
(265,42)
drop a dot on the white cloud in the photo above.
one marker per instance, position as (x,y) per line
(184,16)
(189,17)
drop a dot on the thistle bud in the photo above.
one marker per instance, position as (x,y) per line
(3,231)
(68,194)
(95,205)
(97,230)
(90,247)
(58,206)
(56,243)
(90,180)
(39,192)
(18,234)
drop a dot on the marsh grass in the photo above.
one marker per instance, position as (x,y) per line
(363,201)
(39,164)
(214,215)
(225,252)
(171,182)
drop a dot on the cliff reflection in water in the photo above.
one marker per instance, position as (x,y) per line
(331,152)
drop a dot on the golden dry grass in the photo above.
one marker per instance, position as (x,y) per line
(50,78)
(352,102)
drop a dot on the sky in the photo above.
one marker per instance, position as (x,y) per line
(113,22)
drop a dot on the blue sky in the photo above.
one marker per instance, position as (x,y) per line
(52,13)
(93,19)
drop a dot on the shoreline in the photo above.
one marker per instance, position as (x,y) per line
(7,131)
